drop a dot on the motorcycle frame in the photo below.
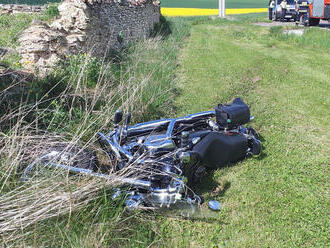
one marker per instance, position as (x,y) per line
(147,128)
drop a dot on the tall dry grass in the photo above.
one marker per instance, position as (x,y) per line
(69,117)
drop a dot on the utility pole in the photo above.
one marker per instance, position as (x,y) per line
(222,8)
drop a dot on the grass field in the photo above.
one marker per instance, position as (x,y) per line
(208,4)
(279,199)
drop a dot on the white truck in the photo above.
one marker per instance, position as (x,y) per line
(275,10)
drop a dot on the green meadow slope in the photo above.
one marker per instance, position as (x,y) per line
(279,199)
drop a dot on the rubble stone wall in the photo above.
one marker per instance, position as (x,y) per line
(89,26)
(20,8)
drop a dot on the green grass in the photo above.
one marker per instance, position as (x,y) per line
(78,99)
(279,199)
(11,27)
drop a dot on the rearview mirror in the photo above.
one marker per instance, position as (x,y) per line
(118,117)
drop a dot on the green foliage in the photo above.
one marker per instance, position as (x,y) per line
(276,31)
(161,28)
(312,38)
(83,66)
(246,18)
(77,100)
(146,63)
(252,18)
(63,95)
(275,200)
(11,27)
(51,11)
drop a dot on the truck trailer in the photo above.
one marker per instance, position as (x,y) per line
(312,11)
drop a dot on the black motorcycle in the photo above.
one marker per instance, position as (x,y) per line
(168,155)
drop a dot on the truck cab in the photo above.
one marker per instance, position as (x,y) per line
(312,11)
(275,12)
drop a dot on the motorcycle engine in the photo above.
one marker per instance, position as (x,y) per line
(159,144)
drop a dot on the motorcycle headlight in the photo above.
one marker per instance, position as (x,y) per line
(279,9)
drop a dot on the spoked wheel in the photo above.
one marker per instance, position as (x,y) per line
(60,159)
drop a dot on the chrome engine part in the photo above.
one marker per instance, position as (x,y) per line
(170,153)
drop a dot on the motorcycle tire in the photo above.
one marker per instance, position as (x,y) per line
(58,155)
(72,155)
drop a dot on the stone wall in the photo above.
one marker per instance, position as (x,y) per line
(89,26)
(20,8)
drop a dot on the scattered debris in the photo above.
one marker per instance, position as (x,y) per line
(274,24)
(256,79)
(323,24)
(298,32)
(214,205)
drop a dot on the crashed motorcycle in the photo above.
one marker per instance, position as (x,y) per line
(168,155)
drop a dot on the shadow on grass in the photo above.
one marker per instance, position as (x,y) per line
(209,185)
(212,188)
(162,28)
(263,153)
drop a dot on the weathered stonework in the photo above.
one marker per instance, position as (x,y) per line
(41,47)
(89,26)
(21,8)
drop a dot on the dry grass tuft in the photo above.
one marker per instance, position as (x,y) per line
(23,139)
